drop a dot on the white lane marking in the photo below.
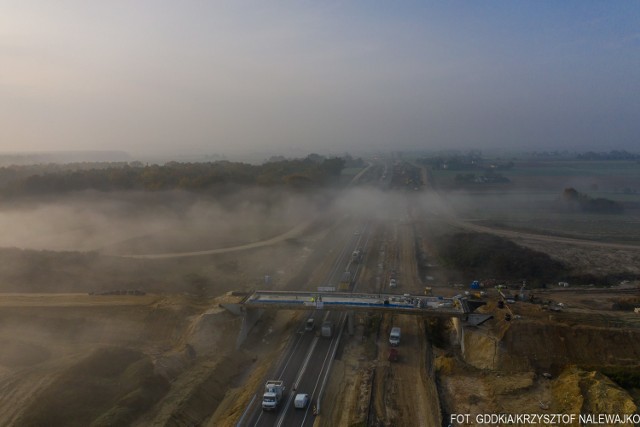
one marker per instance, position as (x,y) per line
(283,414)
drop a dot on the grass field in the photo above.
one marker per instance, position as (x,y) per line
(534,213)
(530,201)
(604,177)
(576,168)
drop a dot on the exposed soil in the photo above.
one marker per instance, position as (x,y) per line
(170,359)
(374,390)
(582,255)
(499,366)
(79,359)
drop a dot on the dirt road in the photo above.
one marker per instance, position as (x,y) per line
(540,237)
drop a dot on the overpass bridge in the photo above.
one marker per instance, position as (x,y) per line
(253,305)
(347,301)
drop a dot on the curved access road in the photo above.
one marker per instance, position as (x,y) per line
(294,232)
(541,237)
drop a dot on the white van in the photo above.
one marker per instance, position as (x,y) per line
(394,336)
(301,401)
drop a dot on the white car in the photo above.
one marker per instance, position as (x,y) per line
(301,401)
(393,283)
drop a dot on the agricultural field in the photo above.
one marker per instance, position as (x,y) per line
(603,177)
(532,201)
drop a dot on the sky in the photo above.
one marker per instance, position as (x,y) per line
(221,77)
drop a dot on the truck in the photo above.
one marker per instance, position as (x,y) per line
(273,392)
(327,329)
(394,336)
(345,281)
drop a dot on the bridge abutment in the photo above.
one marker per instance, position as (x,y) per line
(351,321)
(249,318)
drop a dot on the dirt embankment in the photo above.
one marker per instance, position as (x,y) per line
(160,361)
(245,370)
(579,391)
(574,391)
(545,340)
(536,345)
(501,363)
(146,360)
(93,360)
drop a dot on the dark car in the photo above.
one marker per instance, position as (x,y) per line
(310,325)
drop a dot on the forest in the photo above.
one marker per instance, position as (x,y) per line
(311,172)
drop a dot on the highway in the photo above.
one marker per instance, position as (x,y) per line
(306,362)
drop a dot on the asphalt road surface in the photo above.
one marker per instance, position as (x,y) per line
(306,362)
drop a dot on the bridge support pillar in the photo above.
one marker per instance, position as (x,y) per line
(351,320)
(249,318)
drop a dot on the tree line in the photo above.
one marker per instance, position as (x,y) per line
(304,173)
(573,200)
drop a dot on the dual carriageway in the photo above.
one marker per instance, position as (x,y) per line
(305,365)
(306,362)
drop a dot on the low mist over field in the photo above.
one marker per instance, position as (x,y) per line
(139,222)
(172,221)
(121,221)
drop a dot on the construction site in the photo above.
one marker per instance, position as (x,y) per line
(164,356)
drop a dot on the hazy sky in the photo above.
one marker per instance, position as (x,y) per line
(152,76)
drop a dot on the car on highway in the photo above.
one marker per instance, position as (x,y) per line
(394,336)
(310,324)
(301,401)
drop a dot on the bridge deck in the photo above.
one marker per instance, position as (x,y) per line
(407,304)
